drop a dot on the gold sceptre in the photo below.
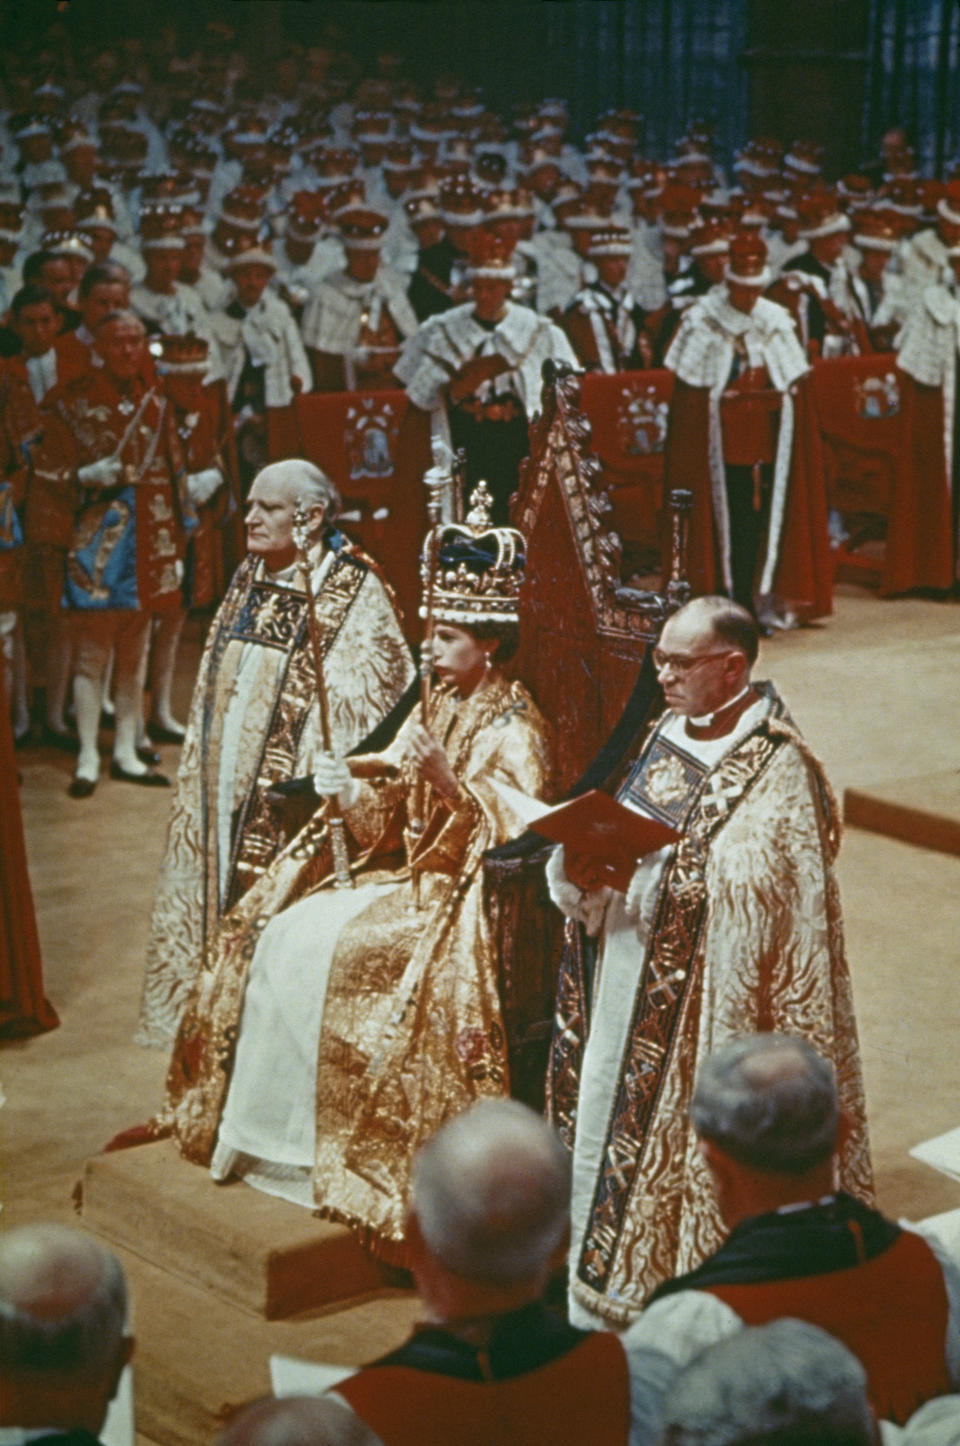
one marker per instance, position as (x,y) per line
(437,480)
(338,836)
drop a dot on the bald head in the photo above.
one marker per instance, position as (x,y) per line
(704,655)
(297,1421)
(298,480)
(768,1101)
(724,621)
(63,1302)
(491,1193)
(122,320)
(276,493)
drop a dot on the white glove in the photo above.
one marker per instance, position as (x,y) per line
(105,473)
(587,906)
(202,485)
(333,779)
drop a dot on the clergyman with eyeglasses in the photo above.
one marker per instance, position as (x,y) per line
(735,928)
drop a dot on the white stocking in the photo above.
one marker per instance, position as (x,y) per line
(98,636)
(88,693)
(129,668)
(163,659)
(107,704)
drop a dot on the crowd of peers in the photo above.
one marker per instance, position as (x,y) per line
(817,1321)
(190,237)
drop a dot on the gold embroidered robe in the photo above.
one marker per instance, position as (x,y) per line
(254,722)
(412,1029)
(745,935)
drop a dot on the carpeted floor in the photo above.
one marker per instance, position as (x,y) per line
(875,690)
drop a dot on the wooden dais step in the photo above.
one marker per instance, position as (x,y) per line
(265,1255)
(921,811)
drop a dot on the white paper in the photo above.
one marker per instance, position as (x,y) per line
(118,1429)
(942,1152)
(946,1228)
(525,807)
(290,1376)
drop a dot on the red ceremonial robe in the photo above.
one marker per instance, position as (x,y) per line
(919,531)
(841,1265)
(23,1006)
(582,1395)
(804,575)
(206,436)
(890,1311)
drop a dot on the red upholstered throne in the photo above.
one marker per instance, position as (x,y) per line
(584,638)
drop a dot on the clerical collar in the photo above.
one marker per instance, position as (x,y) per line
(715,725)
(798,1205)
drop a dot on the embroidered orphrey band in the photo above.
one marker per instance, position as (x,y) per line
(258,834)
(667,977)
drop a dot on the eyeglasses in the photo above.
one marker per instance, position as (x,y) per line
(682,665)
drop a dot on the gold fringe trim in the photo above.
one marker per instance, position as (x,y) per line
(393,1253)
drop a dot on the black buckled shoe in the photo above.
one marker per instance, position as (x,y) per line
(145,780)
(159,733)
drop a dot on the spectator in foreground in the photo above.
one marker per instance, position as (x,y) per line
(788,1383)
(765,1110)
(488,1225)
(63,1346)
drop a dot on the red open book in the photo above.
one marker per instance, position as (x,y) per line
(598,825)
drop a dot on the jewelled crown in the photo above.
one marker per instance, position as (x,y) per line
(479,568)
(180,354)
